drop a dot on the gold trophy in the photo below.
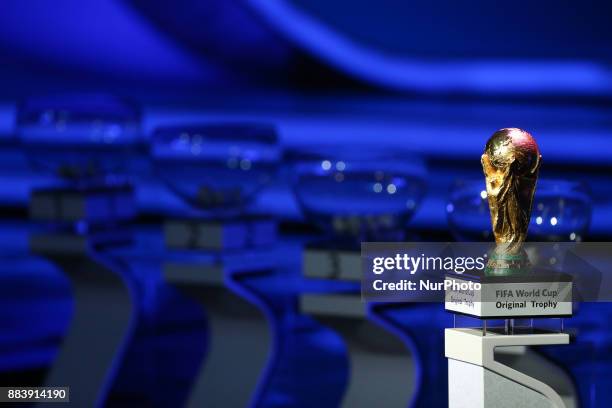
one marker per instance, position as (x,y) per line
(507,289)
(510,162)
(479,357)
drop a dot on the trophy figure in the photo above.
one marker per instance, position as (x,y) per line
(494,367)
(510,162)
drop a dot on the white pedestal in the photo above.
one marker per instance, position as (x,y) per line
(381,367)
(102,321)
(501,371)
(240,338)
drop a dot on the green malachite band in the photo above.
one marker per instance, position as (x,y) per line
(507,257)
(506,271)
(501,264)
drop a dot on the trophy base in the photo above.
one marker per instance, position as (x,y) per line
(539,294)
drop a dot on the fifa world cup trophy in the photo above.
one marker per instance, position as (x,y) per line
(510,162)
(507,290)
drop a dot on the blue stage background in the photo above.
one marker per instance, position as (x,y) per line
(433,81)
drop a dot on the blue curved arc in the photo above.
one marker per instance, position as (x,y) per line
(119,268)
(402,73)
(234,284)
(378,317)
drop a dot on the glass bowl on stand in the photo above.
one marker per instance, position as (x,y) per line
(354,194)
(219,255)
